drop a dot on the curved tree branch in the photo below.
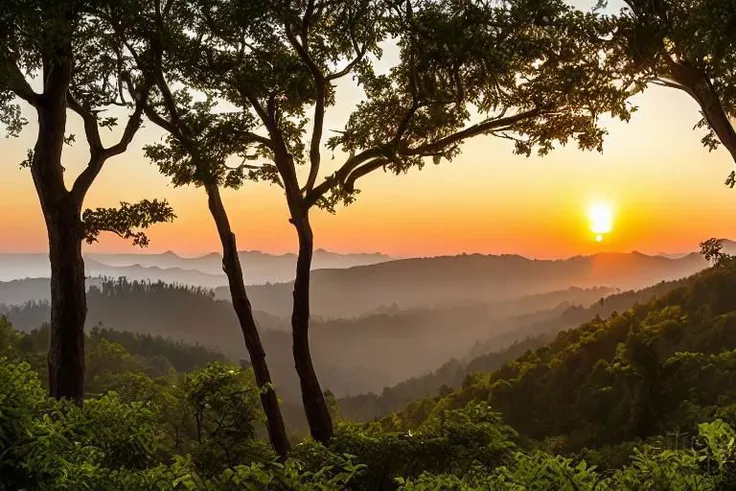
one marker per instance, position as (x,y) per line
(477,129)
(320,84)
(98,153)
(341,174)
(363,171)
(14,80)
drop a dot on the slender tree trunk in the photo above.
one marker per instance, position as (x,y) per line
(232,268)
(63,225)
(315,406)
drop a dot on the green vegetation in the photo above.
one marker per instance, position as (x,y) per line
(662,367)
(647,396)
(643,400)
(540,328)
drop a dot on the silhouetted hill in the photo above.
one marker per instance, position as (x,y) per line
(460,280)
(728,246)
(444,282)
(22,291)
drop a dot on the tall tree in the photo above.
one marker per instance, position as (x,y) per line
(524,70)
(688,45)
(79,69)
(199,144)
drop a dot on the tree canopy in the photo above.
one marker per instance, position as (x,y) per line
(687,45)
(243,90)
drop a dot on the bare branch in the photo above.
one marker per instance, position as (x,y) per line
(91,128)
(164,123)
(99,154)
(342,173)
(349,67)
(359,55)
(307,21)
(256,138)
(261,111)
(413,85)
(665,82)
(132,126)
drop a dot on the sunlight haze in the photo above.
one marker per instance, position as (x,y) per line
(668,192)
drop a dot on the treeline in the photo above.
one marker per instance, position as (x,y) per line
(110,350)
(190,314)
(525,332)
(658,368)
(352,356)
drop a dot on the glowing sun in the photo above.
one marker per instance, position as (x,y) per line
(601,219)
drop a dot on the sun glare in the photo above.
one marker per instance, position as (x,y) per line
(601,219)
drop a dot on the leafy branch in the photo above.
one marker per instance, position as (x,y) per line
(125,220)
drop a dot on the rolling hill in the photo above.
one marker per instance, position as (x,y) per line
(525,332)
(351,355)
(659,368)
(466,279)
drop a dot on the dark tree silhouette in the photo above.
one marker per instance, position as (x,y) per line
(712,251)
(197,148)
(688,45)
(531,72)
(79,69)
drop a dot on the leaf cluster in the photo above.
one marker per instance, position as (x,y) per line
(125,220)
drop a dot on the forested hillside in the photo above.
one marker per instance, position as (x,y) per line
(352,356)
(110,351)
(525,332)
(647,394)
(659,368)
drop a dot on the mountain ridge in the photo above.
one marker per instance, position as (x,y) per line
(424,282)
(206,270)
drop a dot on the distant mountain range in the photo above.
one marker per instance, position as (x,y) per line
(460,280)
(353,285)
(258,267)
(367,317)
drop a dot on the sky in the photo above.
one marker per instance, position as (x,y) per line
(665,190)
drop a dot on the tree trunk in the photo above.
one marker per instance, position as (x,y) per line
(63,225)
(315,406)
(698,86)
(68,303)
(232,268)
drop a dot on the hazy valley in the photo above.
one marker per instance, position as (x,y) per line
(366,318)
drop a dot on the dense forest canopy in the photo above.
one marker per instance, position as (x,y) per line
(660,367)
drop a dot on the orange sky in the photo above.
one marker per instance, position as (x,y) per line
(667,192)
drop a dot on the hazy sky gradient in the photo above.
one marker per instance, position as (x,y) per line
(666,189)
